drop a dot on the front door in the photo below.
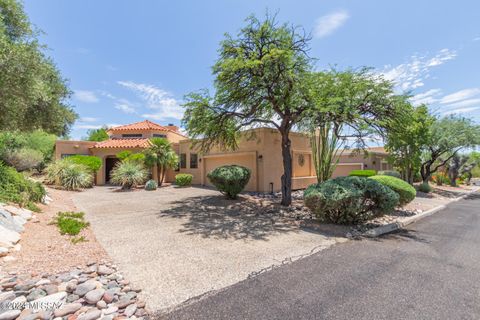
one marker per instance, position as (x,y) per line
(109,165)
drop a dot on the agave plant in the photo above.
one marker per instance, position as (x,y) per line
(128,174)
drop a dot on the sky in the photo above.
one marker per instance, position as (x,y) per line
(127,61)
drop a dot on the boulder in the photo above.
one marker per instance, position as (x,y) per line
(24,213)
(8,221)
(8,237)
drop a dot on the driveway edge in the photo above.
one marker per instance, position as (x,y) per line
(375,232)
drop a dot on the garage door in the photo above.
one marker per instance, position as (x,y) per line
(244,160)
(343,170)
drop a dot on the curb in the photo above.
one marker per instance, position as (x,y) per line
(394,226)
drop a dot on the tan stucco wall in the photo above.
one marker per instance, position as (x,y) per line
(65,147)
(173,137)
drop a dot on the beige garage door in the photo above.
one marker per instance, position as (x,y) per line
(343,170)
(243,160)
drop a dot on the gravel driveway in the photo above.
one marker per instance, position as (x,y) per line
(178,243)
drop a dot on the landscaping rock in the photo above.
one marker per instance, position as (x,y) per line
(94,296)
(85,287)
(106,296)
(67,309)
(8,237)
(90,315)
(104,270)
(10,314)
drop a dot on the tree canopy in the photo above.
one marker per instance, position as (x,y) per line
(97,134)
(32,92)
(447,137)
(258,82)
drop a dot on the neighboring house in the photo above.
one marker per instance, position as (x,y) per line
(259,150)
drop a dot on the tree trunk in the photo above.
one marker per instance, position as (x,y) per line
(158,175)
(287,169)
(425,172)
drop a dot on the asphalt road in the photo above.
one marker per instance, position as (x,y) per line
(429,271)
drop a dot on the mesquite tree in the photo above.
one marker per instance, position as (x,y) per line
(258,82)
(447,137)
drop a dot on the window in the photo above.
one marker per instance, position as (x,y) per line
(159,135)
(183,160)
(132,135)
(193,161)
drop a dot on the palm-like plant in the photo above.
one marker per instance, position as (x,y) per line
(128,174)
(162,155)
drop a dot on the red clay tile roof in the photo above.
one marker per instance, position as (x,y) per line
(123,143)
(142,125)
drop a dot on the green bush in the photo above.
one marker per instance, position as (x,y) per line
(15,187)
(350,200)
(404,190)
(390,173)
(362,173)
(128,174)
(70,223)
(183,179)
(91,162)
(229,180)
(151,185)
(424,187)
(23,159)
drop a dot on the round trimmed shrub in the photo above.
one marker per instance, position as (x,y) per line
(183,179)
(93,163)
(424,187)
(350,200)
(362,173)
(229,180)
(151,185)
(390,173)
(404,190)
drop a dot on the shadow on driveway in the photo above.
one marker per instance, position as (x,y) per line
(215,216)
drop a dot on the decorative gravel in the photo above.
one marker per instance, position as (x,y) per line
(93,292)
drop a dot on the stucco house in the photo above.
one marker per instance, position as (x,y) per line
(260,152)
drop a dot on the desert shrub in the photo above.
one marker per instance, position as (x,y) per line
(424,187)
(390,173)
(183,179)
(350,200)
(404,190)
(362,173)
(151,185)
(229,180)
(128,174)
(440,179)
(69,175)
(91,162)
(15,187)
(70,223)
(23,159)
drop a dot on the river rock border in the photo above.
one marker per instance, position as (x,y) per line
(97,291)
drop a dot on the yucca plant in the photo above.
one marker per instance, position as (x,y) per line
(128,174)
(69,175)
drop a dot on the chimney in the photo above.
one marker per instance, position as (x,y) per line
(172,127)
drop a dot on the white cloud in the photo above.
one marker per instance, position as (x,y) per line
(427,97)
(476,39)
(411,75)
(460,95)
(88,119)
(465,103)
(163,102)
(125,108)
(85,96)
(121,104)
(326,25)
(460,110)
(87,126)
